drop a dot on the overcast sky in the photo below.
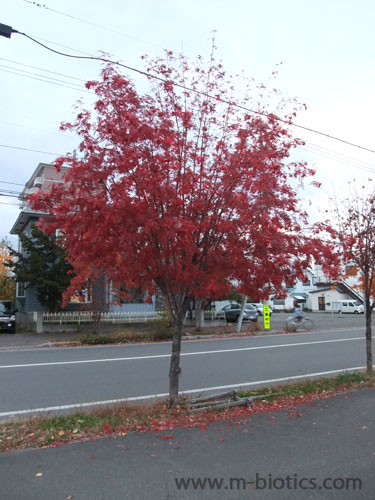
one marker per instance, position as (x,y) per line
(326,48)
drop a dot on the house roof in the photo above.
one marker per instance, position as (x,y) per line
(23,219)
(322,289)
(299,295)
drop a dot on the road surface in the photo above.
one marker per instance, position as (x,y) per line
(326,450)
(63,379)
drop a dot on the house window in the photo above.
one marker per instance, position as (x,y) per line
(306,281)
(20,289)
(279,302)
(124,295)
(82,296)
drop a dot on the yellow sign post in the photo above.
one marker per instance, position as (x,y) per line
(266,316)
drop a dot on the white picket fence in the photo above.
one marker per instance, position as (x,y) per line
(78,317)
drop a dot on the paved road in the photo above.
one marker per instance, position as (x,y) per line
(322,321)
(60,379)
(331,444)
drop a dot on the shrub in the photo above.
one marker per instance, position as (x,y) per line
(160,329)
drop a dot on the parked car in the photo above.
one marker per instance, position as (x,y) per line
(7,316)
(348,306)
(232,312)
(259,308)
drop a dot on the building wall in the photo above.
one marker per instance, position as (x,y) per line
(330,296)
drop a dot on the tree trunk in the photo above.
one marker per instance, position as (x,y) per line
(175,369)
(97,322)
(239,321)
(368,338)
(198,315)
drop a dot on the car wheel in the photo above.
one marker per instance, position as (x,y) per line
(355,312)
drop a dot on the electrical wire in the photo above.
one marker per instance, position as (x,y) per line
(340,160)
(111,30)
(189,89)
(41,69)
(13,183)
(28,149)
(23,73)
(321,149)
(11,204)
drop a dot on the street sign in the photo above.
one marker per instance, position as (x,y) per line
(266,316)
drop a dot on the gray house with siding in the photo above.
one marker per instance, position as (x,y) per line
(101,296)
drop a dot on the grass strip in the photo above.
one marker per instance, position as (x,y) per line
(43,432)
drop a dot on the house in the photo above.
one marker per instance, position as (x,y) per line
(326,292)
(101,296)
(44,176)
(317,292)
(299,291)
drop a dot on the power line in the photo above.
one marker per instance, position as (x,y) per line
(2,190)
(340,155)
(111,30)
(204,94)
(340,160)
(9,195)
(12,124)
(41,69)
(13,183)
(43,79)
(28,149)
(11,204)
(319,150)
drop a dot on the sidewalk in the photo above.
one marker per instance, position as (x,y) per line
(325,450)
(27,340)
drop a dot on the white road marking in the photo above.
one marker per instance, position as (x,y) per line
(164,395)
(156,356)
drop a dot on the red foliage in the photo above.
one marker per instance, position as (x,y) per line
(179,190)
(182,191)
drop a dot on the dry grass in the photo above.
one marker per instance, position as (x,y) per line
(43,432)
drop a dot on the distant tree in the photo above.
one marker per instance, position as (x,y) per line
(6,275)
(42,264)
(353,229)
(182,190)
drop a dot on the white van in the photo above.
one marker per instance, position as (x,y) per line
(348,306)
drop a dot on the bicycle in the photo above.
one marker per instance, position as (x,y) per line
(293,324)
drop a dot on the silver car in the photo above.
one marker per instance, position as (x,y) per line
(232,312)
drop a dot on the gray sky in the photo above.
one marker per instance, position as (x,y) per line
(326,48)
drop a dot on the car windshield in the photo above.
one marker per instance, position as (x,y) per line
(357,303)
(6,307)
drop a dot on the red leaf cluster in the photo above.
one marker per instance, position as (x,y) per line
(181,191)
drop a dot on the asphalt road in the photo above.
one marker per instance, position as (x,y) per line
(326,449)
(56,379)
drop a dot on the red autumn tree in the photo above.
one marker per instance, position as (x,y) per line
(181,189)
(352,227)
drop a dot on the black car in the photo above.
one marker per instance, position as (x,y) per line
(7,316)
(232,312)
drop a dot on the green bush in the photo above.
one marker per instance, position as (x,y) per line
(160,329)
(95,339)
